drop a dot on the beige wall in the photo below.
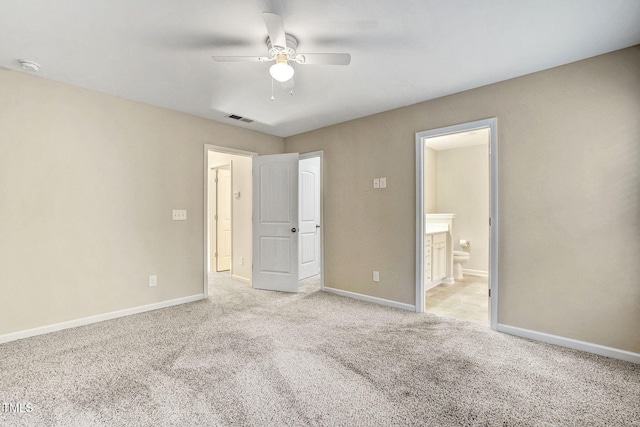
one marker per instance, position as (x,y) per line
(569,170)
(463,189)
(87,185)
(242,213)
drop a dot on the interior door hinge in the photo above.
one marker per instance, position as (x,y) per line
(489,292)
(489,221)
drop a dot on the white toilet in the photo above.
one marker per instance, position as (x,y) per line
(459,258)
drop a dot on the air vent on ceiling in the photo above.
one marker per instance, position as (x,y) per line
(240,118)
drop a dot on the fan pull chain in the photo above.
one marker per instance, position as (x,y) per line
(272,97)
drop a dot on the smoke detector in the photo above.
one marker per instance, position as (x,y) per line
(29,65)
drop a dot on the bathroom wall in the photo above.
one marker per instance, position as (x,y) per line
(430,180)
(463,189)
(241,211)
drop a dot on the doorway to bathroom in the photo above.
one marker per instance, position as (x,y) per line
(456,220)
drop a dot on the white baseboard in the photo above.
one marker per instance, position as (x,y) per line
(571,343)
(478,273)
(241,279)
(367,298)
(95,319)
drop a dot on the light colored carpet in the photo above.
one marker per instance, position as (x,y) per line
(258,358)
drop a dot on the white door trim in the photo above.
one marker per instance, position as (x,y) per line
(217,167)
(210,169)
(309,155)
(492,125)
(206,256)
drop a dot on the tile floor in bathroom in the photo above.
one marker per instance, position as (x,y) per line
(465,300)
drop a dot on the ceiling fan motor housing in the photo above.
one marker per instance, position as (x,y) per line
(289,49)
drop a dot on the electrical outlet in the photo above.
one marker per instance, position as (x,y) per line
(153,280)
(179,215)
(376,276)
(241,260)
(383,182)
(376,183)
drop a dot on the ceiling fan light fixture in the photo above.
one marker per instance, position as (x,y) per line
(281,70)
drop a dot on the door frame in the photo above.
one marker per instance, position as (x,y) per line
(320,155)
(227,150)
(207,231)
(492,125)
(216,167)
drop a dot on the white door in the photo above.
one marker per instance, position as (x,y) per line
(275,222)
(223,223)
(309,238)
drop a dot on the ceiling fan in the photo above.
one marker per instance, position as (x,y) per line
(281,48)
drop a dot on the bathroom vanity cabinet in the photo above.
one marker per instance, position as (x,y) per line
(438,249)
(435,259)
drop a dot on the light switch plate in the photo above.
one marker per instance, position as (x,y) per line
(383,182)
(153,280)
(376,183)
(179,215)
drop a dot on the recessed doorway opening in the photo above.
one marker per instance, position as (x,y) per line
(231,240)
(228,207)
(456,222)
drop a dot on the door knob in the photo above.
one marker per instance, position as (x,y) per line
(293,230)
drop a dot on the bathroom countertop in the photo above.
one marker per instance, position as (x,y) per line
(436,228)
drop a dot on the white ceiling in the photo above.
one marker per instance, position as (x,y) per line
(403,51)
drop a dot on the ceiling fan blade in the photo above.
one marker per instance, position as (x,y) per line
(323,58)
(275,28)
(241,58)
